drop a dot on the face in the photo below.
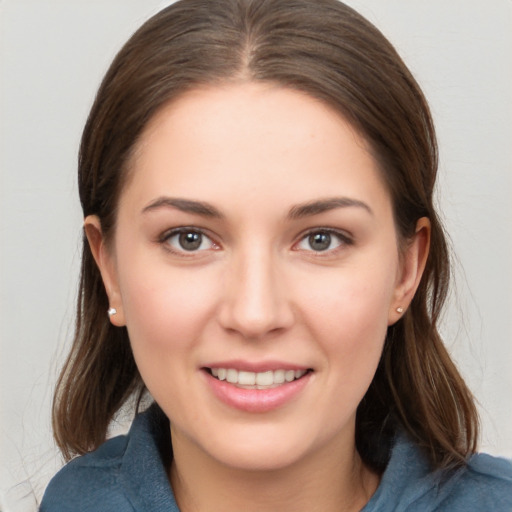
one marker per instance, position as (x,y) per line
(255,265)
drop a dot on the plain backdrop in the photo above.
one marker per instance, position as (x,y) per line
(53,54)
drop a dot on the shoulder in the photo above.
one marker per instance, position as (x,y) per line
(126,473)
(89,482)
(408,483)
(484,484)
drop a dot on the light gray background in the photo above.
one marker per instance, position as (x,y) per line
(53,54)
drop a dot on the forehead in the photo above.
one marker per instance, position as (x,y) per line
(252,138)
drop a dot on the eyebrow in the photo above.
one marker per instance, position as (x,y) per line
(323,205)
(296,212)
(184,205)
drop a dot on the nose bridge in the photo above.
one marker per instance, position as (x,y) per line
(254,301)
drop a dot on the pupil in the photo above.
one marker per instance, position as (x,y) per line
(190,241)
(320,241)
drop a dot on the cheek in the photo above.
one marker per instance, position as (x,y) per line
(350,303)
(347,313)
(166,312)
(165,308)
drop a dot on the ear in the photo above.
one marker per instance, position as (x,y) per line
(105,259)
(412,264)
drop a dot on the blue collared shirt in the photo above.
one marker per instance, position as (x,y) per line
(127,474)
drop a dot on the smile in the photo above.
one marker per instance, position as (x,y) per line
(257,391)
(256,380)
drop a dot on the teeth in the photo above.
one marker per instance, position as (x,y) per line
(265,378)
(246,378)
(232,376)
(289,375)
(259,380)
(279,377)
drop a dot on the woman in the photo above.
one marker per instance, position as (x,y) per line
(256,179)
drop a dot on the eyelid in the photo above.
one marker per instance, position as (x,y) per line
(345,238)
(164,238)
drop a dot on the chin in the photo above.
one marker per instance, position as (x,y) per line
(250,458)
(258,449)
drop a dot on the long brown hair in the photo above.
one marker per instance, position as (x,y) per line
(327,50)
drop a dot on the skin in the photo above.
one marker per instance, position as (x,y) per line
(258,290)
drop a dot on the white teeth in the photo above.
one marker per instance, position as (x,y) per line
(265,378)
(232,376)
(279,377)
(247,378)
(289,375)
(257,380)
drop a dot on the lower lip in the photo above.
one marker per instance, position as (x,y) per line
(256,400)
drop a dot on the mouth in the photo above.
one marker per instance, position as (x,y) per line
(257,388)
(256,380)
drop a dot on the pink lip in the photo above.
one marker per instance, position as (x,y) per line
(255,400)
(263,366)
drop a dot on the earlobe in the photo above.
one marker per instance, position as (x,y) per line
(414,260)
(106,265)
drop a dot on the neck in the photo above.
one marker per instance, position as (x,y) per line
(336,480)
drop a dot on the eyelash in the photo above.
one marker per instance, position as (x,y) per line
(166,237)
(343,238)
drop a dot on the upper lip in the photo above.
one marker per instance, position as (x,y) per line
(256,367)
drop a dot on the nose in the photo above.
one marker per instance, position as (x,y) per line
(255,302)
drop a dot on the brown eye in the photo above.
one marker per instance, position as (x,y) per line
(323,240)
(320,241)
(188,240)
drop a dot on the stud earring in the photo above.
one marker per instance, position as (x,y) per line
(111,311)
(400,309)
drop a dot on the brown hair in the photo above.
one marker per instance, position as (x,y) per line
(327,50)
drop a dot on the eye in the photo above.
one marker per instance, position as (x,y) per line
(322,241)
(188,240)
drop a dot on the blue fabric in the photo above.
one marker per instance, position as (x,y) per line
(483,485)
(127,474)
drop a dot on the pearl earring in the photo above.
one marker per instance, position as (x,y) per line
(400,309)
(111,311)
